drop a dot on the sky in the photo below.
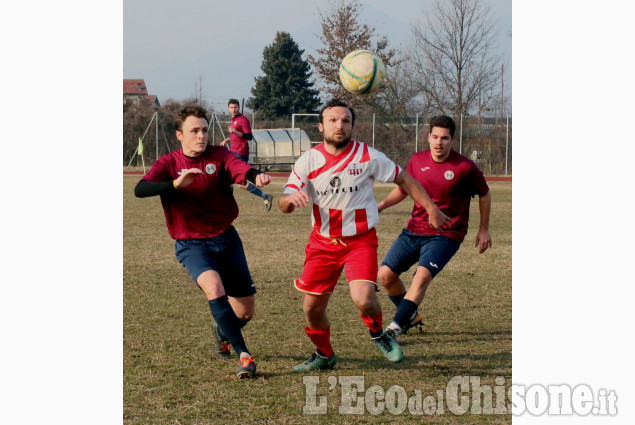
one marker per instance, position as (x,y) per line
(177,46)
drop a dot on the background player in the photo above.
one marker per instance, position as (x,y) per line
(337,176)
(239,137)
(451,180)
(194,186)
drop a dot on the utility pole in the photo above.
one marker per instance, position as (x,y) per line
(502,89)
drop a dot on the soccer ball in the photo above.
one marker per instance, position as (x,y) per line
(362,72)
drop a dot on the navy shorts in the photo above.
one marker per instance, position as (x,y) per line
(224,254)
(431,251)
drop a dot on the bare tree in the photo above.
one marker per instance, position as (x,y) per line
(342,32)
(400,95)
(452,56)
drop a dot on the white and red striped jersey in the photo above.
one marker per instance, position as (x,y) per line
(341,187)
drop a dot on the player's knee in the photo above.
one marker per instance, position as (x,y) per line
(245,316)
(386,276)
(367,306)
(313,312)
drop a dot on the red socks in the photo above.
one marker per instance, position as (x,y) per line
(374,324)
(322,340)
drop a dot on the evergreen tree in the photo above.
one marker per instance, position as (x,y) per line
(285,88)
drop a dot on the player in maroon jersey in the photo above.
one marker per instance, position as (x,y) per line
(239,137)
(451,180)
(194,186)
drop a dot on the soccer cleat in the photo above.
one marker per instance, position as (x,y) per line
(389,347)
(316,362)
(246,367)
(268,202)
(417,322)
(223,348)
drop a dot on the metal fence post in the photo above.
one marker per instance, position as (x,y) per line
(417,134)
(461,136)
(373,130)
(506,143)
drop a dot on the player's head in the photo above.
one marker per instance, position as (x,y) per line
(191,130)
(234,107)
(194,111)
(333,103)
(441,137)
(443,121)
(336,123)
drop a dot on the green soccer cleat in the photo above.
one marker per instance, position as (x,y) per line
(389,347)
(222,348)
(246,368)
(316,362)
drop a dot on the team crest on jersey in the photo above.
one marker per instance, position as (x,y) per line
(355,169)
(210,168)
(335,182)
(449,175)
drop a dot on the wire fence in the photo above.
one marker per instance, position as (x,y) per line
(486,141)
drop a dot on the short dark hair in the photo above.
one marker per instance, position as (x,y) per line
(336,102)
(195,111)
(443,121)
(233,102)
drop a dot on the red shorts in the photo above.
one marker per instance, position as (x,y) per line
(326,258)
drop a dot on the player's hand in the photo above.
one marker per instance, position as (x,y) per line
(483,241)
(231,129)
(224,142)
(438,221)
(263,179)
(187,177)
(299,199)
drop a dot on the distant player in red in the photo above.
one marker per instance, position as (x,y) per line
(194,186)
(451,180)
(337,177)
(239,137)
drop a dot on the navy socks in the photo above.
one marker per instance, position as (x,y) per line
(396,299)
(405,310)
(228,324)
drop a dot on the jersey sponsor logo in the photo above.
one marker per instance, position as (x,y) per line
(210,168)
(425,168)
(337,190)
(449,175)
(335,182)
(355,169)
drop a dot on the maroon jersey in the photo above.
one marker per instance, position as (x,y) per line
(206,207)
(238,144)
(451,185)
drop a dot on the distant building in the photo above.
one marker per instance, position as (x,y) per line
(134,90)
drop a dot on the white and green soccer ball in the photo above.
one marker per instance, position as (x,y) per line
(362,72)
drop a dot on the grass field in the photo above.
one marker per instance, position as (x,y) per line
(170,373)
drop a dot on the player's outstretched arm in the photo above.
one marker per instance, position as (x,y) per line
(146,188)
(187,177)
(288,202)
(483,238)
(393,198)
(438,220)
(263,179)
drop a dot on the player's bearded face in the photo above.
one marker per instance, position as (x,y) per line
(337,126)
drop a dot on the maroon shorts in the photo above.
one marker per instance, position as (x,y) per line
(326,258)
